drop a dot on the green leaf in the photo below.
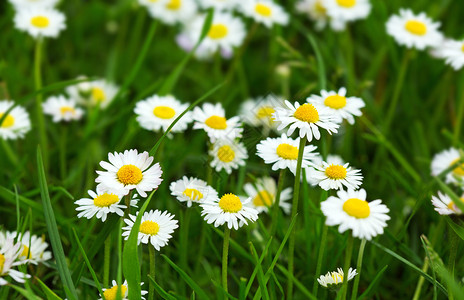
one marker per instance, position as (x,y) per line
(161,291)
(298,284)
(28,294)
(367,292)
(48,292)
(457,229)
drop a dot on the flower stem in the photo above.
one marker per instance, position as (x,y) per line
(459,113)
(38,86)
(151,289)
(64,134)
(358,270)
(348,253)
(320,257)
(296,193)
(276,208)
(225,254)
(454,243)
(106,262)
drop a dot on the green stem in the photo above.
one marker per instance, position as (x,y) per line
(184,243)
(358,270)
(127,200)
(12,157)
(320,257)
(151,289)
(459,115)
(106,262)
(296,194)
(225,254)
(348,253)
(64,133)
(276,208)
(454,243)
(38,86)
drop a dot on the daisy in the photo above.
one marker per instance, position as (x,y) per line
(152,3)
(211,118)
(265,11)
(453,53)
(335,278)
(414,31)
(62,109)
(219,5)
(9,253)
(156,228)
(318,161)
(40,21)
(23,4)
(192,190)
(335,176)
(340,106)
(32,248)
(315,10)
(229,209)
(94,93)
(258,112)
(263,195)
(127,171)
(350,210)
(444,160)
(173,11)
(111,293)
(444,205)
(158,112)
(184,40)
(347,10)
(307,118)
(227,155)
(16,124)
(282,152)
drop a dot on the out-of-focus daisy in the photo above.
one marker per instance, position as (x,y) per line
(227,155)
(25,4)
(265,11)
(152,3)
(219,5)
(444,205)
(111,293)
(62,109)
(174,11)
(212,119)
(263,195)
(307,118)
(315,10)
(347,10)
(350,210)
(282,152)
(16,123)
(453,53)
(158,112)
(341,107)
(445,159)
(335,278)
(258,112)
(40,21)
(127,171)
(156,228)
(9,253)
(192,190)
(94,93)
(335,176)
(414,31)
(32,247)
(229,209)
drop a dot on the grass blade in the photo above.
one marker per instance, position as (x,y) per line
(298,284)
(48,292)
(161,291)
(372,284)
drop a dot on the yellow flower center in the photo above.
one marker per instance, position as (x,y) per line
(217,31)
(2,263)
(307,113)
(337,278)
(67,109)
(164,112)
(110,294)
(149,227)
(462,47)
(459,170)
(318,7)
(129,174)
(98,94)
(453,206)
(8,122)
(265,112)
(263,10)
(25,253)
(174,4)
(287,151)
(335,172)
(216,122)
(346,3)
(193,194)
(357,208)
(226,154)
(230,203)
(416,27)
(335,101)
(264,198)
(40,21)
(105,200)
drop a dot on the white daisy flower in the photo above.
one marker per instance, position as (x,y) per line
(24,4)
(40,21)
(307,118)
(111,293)
(227,155)
(335,278)
(445,159)
(342,11)
(340,106)
(265,11)
(258,112)
(350,210)
(9,253)
(315,10)
(152,3)
(192,190)
(219,5)
(156,228)
(335,176)
(16,124)
(211,118)
(319,162)
(453,53)
(282,152)
(127,171)
(158,112)
(174,11)
(62,109)
(414,31)
(445,206)
(263,194)
(94,93)
(32,247)
(184,40)
(229,209)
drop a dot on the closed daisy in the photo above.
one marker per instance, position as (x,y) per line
(335,176)
(335,278)
(347,10)
(446,159)
(173,11)
(266,12)
(453,53)
(156,228)
(282,152)
(62,109)
(307,118)
(128,171)
(444,205)
(94,93)
(9,253)
(40,21)
(350,210)
(229,209)
(227,155)
(340,106)
(158,112)
(192,190)
(111,293)
(263,195)
(414,31)
(16,123)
